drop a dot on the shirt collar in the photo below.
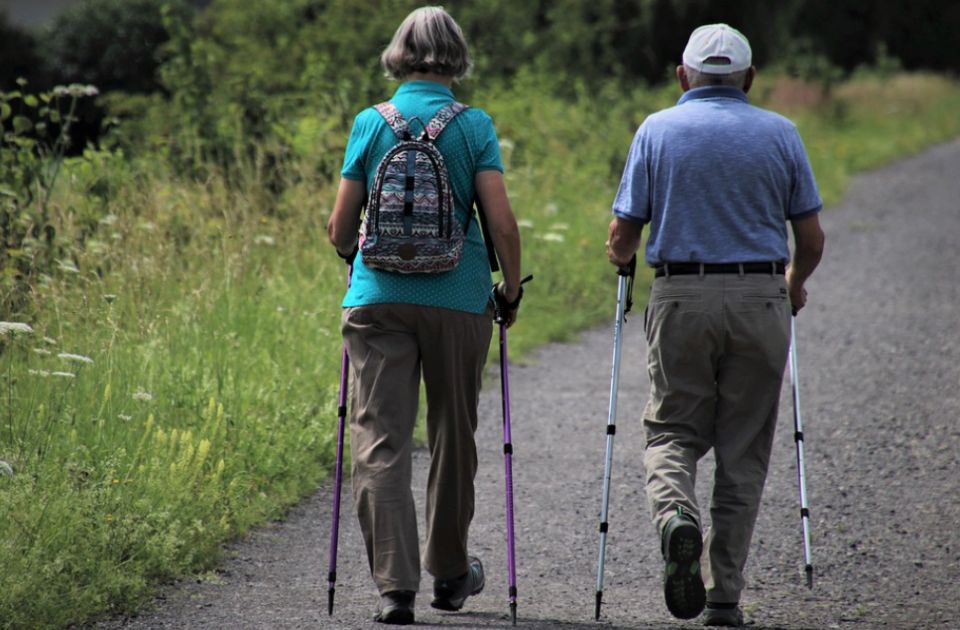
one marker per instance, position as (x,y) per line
(423,87)
(713,91)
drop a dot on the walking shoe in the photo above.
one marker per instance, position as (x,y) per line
(451,594)
(396,608)
(682,585)
(728,615)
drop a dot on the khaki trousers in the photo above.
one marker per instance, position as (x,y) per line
(718,346)
(389,345)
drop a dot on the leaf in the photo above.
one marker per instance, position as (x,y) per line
(22,124)
(5,111)
(30,100)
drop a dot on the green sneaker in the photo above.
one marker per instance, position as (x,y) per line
(683,588)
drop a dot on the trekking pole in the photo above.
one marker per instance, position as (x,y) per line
(624,303)
(338,479)
(798,438)
(499,316)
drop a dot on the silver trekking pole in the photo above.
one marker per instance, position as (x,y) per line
(624,302)
(798,438)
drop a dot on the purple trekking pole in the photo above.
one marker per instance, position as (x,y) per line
(341,421)
(499,317)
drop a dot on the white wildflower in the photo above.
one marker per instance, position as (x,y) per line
(109,297)
(560,226)
(63,374)
(79,358)
(50,340)
(550,208)
(525,223)
(125,417)
(263,239)
(42,351)
(14,327)
(68,266)
(109,219)
(142,395)
(506,144)
(43,373)
(552,237)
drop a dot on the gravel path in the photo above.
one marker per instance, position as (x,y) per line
(879,350)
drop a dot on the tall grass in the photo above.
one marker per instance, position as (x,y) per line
(200,323)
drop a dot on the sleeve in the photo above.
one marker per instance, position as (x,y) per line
(633,196)
(354,163)
(488,157)
(804,195)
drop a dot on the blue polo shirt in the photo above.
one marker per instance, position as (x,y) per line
(717,180)
(469,145)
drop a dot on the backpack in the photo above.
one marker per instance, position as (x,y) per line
(410,226)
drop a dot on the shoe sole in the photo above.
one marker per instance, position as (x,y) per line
(396,617)
(449,605)
(445,602)
(683,588)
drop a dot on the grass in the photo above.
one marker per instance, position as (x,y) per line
(210,313)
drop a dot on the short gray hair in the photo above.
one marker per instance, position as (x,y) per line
(428,40)
(700,79)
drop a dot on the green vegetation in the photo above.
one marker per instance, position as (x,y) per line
(174,382)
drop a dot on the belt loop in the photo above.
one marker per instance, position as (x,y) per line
(666,270)
(702,266)
(773,269)
(740,269)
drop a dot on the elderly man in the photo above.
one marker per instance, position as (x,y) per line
(717,180)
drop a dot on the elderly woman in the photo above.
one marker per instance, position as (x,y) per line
(397,326)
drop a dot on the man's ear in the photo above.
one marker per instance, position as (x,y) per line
(682,78)
(748,81)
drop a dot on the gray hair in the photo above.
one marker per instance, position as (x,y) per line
(428,40)
(700,79)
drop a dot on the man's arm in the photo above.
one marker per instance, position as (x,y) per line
(808,241)
(623,241)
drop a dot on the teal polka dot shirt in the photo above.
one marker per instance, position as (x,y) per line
(469,145)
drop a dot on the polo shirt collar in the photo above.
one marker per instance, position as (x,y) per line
(423,87)
(713,91)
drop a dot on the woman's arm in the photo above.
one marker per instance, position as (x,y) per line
(344,223)
(492,193)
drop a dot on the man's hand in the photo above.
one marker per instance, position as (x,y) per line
(623,240)
(798,294)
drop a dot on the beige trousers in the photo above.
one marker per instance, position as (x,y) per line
(389,345)
(718,346)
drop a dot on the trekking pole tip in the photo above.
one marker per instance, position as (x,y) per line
(330,600)
(513,612)
(596,613)
(809,571)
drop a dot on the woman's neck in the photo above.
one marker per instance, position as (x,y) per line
(431,76)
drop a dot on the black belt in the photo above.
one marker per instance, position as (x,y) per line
(687,268)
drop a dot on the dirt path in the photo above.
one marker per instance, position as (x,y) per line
(879,351)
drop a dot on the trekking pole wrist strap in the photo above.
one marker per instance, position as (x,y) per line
(509,306)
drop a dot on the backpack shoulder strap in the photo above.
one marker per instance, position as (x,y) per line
(394,118)
(440,120)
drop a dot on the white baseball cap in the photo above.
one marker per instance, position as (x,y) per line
(717,49)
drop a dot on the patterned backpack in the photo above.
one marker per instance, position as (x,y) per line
(410,226)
